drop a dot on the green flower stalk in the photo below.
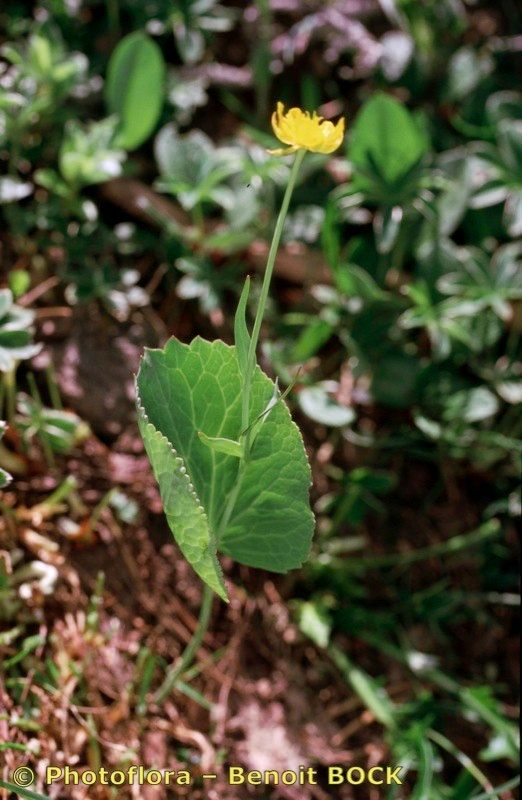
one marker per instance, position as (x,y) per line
(230,463)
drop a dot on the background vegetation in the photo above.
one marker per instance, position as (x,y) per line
(135,194)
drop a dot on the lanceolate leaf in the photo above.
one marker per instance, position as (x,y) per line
(241,335)
(185,389)
(228,446)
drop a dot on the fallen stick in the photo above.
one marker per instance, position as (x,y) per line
(295,262)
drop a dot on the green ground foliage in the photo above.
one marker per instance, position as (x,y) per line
(135,184)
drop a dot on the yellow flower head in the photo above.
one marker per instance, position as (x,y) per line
(302,131)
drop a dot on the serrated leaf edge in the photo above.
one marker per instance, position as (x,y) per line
(215,343)
(183,471)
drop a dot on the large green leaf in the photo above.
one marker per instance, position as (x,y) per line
(187,389)
(135,87)
(386,137)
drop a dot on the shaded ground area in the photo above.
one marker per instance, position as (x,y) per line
(260,695)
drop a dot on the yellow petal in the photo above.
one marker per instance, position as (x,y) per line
(300,130)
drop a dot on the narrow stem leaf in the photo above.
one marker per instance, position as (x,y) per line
(221,445)
(241,334)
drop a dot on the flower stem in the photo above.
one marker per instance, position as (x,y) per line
(187,657)
(276,239)
(251,359)
(176,670)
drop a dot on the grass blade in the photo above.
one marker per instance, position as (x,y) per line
(26,794)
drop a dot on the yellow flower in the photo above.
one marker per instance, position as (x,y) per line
(304,132)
